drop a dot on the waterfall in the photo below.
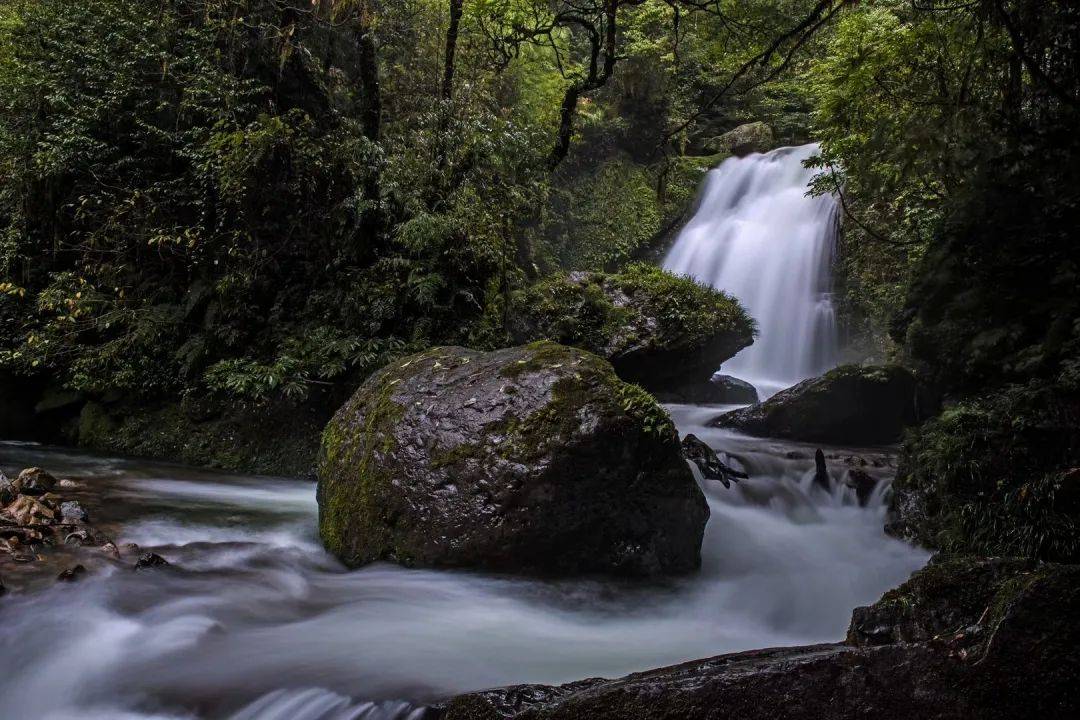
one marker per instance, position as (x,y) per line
(757,235)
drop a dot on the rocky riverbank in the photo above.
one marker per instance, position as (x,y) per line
(963,638)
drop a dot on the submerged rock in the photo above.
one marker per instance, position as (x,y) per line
(147,560)
(72,574)
(849,404)
(962,639)
(658,330)
(821,471)
(863,483)
(530,459)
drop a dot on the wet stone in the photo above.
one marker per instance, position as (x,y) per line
(71,574)
(35,481)
(72,512)
(151,560)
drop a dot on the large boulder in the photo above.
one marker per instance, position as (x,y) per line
(657,329)
(755,137)
(962,639)
(533,459)
(851,404)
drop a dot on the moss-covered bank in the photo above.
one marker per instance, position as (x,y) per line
(996,475)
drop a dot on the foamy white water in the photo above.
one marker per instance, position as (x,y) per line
(758,236)
(257,622)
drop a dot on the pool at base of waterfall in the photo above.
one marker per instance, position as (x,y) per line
(253,620)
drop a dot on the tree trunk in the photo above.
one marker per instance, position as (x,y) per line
(451,49)
(369,74)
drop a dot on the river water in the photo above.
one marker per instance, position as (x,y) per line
(257,621)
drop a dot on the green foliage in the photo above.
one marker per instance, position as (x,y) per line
(603,217)
(321,355)
(161,206)
(917,107)
(191,202)
(996,475)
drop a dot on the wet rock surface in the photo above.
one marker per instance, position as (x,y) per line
(535,459)
(743,140)
(34,481)
(150,560)
(850,404)
(964,638)
(664,332)
(718,390)
(45,534)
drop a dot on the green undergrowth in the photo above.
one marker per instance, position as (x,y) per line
(997,475)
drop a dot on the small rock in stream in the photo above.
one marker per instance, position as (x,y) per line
(35,481)
(27,510)
(863,484)
(821,471)
(151,560)
(72,512)
(71,574)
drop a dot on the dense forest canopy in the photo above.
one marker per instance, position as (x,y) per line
(259,197)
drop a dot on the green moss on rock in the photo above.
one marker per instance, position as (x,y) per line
(657,329)
(995,475)
(531,459)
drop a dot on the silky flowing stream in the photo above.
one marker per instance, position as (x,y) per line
(255,621)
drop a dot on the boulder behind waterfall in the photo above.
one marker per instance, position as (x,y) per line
(533,459)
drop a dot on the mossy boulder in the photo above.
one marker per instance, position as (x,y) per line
(533,459)
(657,329)
(743,140)
(1013,623)
(950,594)
(851,404)
(996,475)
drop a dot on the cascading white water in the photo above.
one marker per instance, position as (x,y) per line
(256,622)
(758,236)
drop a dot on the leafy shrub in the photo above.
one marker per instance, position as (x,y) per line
(997,475)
